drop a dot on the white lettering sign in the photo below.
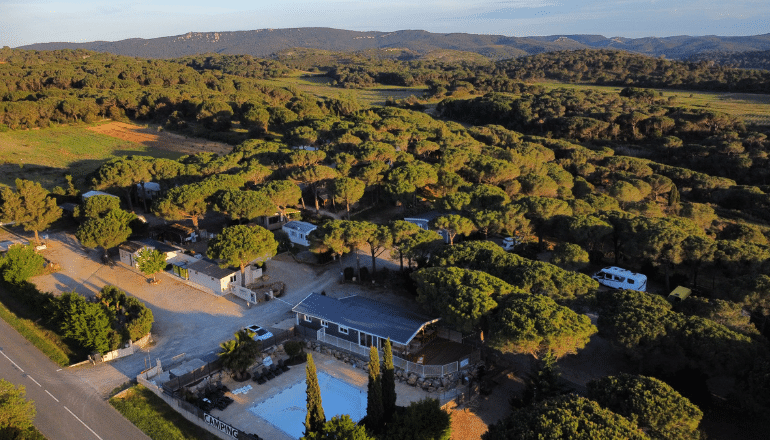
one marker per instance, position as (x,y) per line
(220,425)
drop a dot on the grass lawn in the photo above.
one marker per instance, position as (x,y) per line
(320,87)
(47,155)
(48,342)
(155,417)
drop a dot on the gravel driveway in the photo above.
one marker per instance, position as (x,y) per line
(189,323)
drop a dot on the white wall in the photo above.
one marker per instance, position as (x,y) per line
(219,287)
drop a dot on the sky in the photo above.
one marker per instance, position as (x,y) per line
(41,21)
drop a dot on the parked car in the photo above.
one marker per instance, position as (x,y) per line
(619,278)
(260,334)
(509,243)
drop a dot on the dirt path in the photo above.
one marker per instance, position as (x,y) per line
(155,137)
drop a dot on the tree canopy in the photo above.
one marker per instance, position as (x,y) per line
(238,245)
(462,297)
(652,404)
(29,206)
(566,417)
(535,324)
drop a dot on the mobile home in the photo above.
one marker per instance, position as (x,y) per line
(619,278)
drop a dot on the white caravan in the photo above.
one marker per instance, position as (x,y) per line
(618,278)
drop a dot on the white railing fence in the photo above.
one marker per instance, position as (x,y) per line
(407,366)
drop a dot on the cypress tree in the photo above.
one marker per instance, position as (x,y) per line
(315,419)
(388,383)
(374,409)
(673,197)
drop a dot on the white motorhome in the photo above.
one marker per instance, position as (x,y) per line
(619,278)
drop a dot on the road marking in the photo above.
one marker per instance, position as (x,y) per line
(52,397)
(14,363)
(33,380)
(78,419)
(59,369)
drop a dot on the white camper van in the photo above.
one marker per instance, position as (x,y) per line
(618,278)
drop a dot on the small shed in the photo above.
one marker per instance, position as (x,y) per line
(424,221)
(361,321)
(68,208)
(208,274)
(130,250)
(176,233)
(275,221)
(298,231)
(147,190)
(679,294)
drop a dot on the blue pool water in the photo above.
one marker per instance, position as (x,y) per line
(287,409)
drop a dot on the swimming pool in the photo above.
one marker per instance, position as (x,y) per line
(287,409)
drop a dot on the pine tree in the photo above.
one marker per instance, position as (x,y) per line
(151,261)
(388,383)
(374,407)
(545,383)
(315,419)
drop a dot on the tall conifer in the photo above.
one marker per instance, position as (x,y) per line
(388,383)
(374,409)
(315,419)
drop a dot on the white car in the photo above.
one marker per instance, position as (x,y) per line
(510,242)
(260,334)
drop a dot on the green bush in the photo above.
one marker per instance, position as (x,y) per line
(423,420)
(293,348)
(21,263)
(156,418)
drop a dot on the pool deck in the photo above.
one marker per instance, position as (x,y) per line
(238,414)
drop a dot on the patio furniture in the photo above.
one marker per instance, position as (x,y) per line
(267,374)
(258,378)
(275,370)
(282,365)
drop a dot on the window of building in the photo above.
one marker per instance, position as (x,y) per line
(308,318)
(232,279)
(343,330)
(324,324)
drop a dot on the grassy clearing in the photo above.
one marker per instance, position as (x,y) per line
(47,155)
(155,417)
(320,87)
(751,108)
(46,341)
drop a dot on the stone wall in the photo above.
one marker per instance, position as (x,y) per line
(431,385)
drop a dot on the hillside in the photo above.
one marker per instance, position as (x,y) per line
(265,42)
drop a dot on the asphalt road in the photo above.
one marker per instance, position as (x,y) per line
(67,408)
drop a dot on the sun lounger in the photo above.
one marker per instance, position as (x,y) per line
(258,378)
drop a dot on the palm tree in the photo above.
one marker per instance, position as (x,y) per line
(238,354)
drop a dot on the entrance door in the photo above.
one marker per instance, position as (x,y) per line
(367,340)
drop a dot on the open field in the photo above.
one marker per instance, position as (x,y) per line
(320,87)
(751,107)
(47,155)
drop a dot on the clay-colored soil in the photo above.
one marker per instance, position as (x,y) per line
(466,424)
(153,138)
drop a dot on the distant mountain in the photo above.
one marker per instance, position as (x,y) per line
(266,42)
